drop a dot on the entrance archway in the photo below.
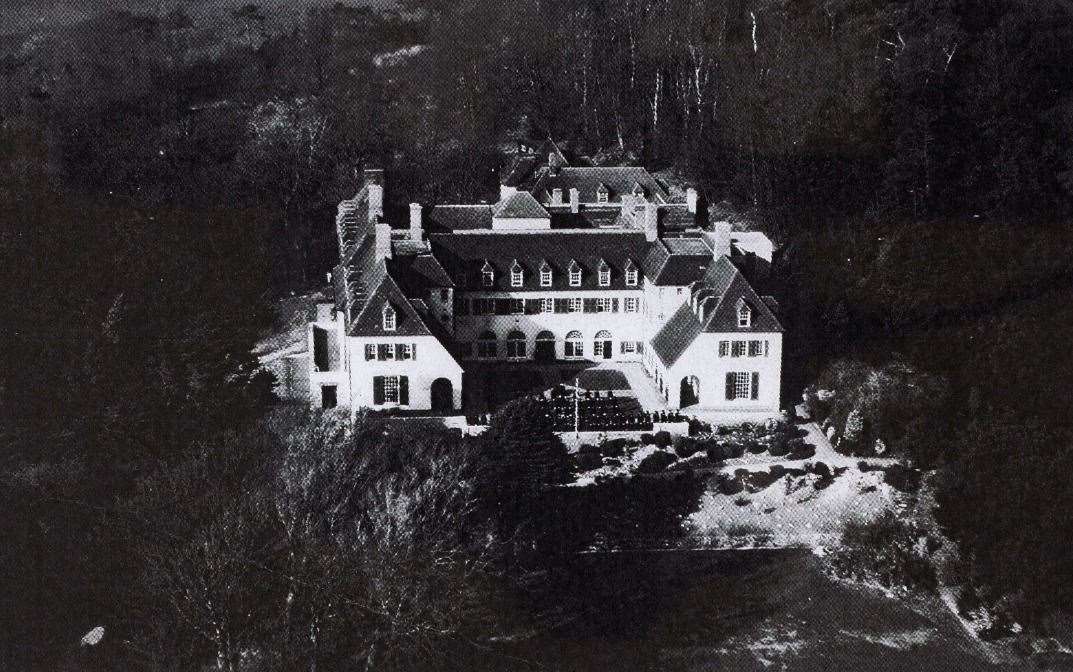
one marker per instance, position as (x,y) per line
(545,347)
(689,394)
(442,393)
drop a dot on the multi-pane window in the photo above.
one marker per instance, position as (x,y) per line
(737,349)
(603,305)
(575,277)
(741,385)
(517,306)
(483,306)
(573,346)
(745,316)
(402,351)
(575,305)
(385,352)
(388,318)
(756,348)
(547,305)
(605,276)
(488,277)
(545,277)
(516,345)
(516,277)
(632,304)
(391,389)
(370,351)
(629,347)
(724,348)
(631,277)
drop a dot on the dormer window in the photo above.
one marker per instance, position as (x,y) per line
(388,318)
(517,276)
(604,274)
(488,275)
(602,193)
(638,192)
(631,274)
(745,315)
(545,275)
(575,274)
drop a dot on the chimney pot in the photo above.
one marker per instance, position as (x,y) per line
(376,201)
(691,200)
(720,239)
(557,196)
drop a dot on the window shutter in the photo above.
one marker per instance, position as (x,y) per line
(378,390)
(724,348)
(413,351)
(404,390)
(562,305)
(502,307)
(614,305)
(532,306)
(756,385)
(589,305)
(370,351)
(730,387)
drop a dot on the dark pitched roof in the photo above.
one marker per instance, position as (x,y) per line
(676,335)
(585,218)
(520,171)
(618,180)
(721,292)
(442,218)
(370,321)
(519,205)
(417,274)
(463,255)
(677,261)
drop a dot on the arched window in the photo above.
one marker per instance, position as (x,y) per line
(516,345)
(745,315)
(486,345)
(631,273)
(488,275)
(516,274)
(604,273)
(545,274)
(573,346)
(575,273)
(601,345)
(388,318)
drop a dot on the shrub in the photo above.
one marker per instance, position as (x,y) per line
(685,446)
(886,550)
(757,481)
(655,463)
(728,485)
(753,446)
(742,501)
(799,450)
(586,448)
(614,447)
(902,478)
(647,439)
(821,469)
(588,461)
(662,438)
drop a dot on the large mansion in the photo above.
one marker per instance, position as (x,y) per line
(571,263)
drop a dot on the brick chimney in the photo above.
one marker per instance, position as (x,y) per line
(691,200)
(557,196)
(575,200)
(417,233)
(383,241)
(719,237)
(506,191)
(651,222)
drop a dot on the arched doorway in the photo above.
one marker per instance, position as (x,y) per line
(601,346)
(442,393)
(689,394)
(545,347)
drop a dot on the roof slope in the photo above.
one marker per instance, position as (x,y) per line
(407,321)
(463,256)
(520,205)
(442,218)
(619,180)
(677,261)
(720,293)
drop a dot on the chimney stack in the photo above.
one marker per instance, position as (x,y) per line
(691,200)
(651,222)
(506,191)
(417,234)
(575,200)
(383,241)
(557,196)
(374,183)
(719,237)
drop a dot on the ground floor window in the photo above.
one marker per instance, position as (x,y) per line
(391,390)
(573,346)
(742,385)
(486,345)
(516,345)
(328,398)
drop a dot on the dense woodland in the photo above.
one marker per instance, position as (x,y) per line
(164,177)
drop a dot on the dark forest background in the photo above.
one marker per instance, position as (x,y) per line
(164,176)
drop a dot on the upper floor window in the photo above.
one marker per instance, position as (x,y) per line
(517,306)
(632,304)
(745,315)
(488,275)
(575,274)
(601,193)
(631,275)
(547,305)
(575,305)
(388,318)
(545,275)
(516,275)
(604,274)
